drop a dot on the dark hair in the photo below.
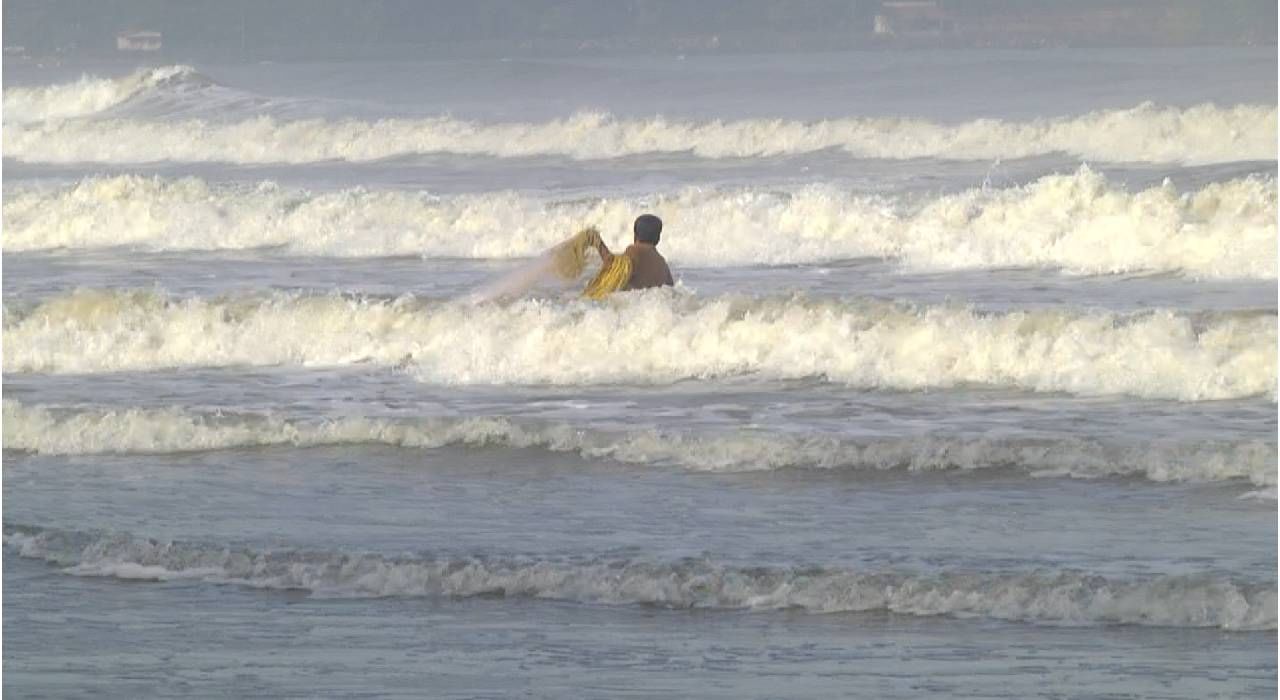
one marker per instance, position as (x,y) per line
(648,229)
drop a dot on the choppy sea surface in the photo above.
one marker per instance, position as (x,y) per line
(967,386)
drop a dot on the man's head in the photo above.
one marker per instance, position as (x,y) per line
(648,229)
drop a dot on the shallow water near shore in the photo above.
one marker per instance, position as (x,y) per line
(961,392)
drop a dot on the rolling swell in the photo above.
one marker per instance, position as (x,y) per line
(43,430)
(659,336)
(1147,133)
(1053,597)
(1078,222)
(88,95)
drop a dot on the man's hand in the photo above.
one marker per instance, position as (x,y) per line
(595,241)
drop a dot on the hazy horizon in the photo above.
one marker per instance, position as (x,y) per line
(319,29)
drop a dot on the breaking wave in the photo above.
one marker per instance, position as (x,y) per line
(1078,222)
(659,336)
(54,431)
(1202,134)
(1055,597)
(86,96)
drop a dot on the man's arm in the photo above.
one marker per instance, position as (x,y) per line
(598,243)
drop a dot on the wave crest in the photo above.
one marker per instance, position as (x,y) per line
(1078,222)
(86,96)
(1147,133)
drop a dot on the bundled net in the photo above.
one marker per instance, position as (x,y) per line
(565,263)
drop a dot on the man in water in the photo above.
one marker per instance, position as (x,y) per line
(648,267)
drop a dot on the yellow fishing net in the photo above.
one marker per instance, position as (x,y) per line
(611,278)
(569,259)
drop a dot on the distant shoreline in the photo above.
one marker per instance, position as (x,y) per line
(675,47)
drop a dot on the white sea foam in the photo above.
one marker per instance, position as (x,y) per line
(86,96)
(141,431)
(1055,597)
(1078,222)
(1202,134)
(658,336)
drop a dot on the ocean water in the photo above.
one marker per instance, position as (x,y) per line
(967,386)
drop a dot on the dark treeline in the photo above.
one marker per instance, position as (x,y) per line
(348,28)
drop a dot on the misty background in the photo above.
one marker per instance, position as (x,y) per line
(344,29)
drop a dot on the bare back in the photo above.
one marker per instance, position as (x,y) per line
(648,267)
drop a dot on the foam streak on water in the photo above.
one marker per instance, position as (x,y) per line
(1052,597)
(156,431)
